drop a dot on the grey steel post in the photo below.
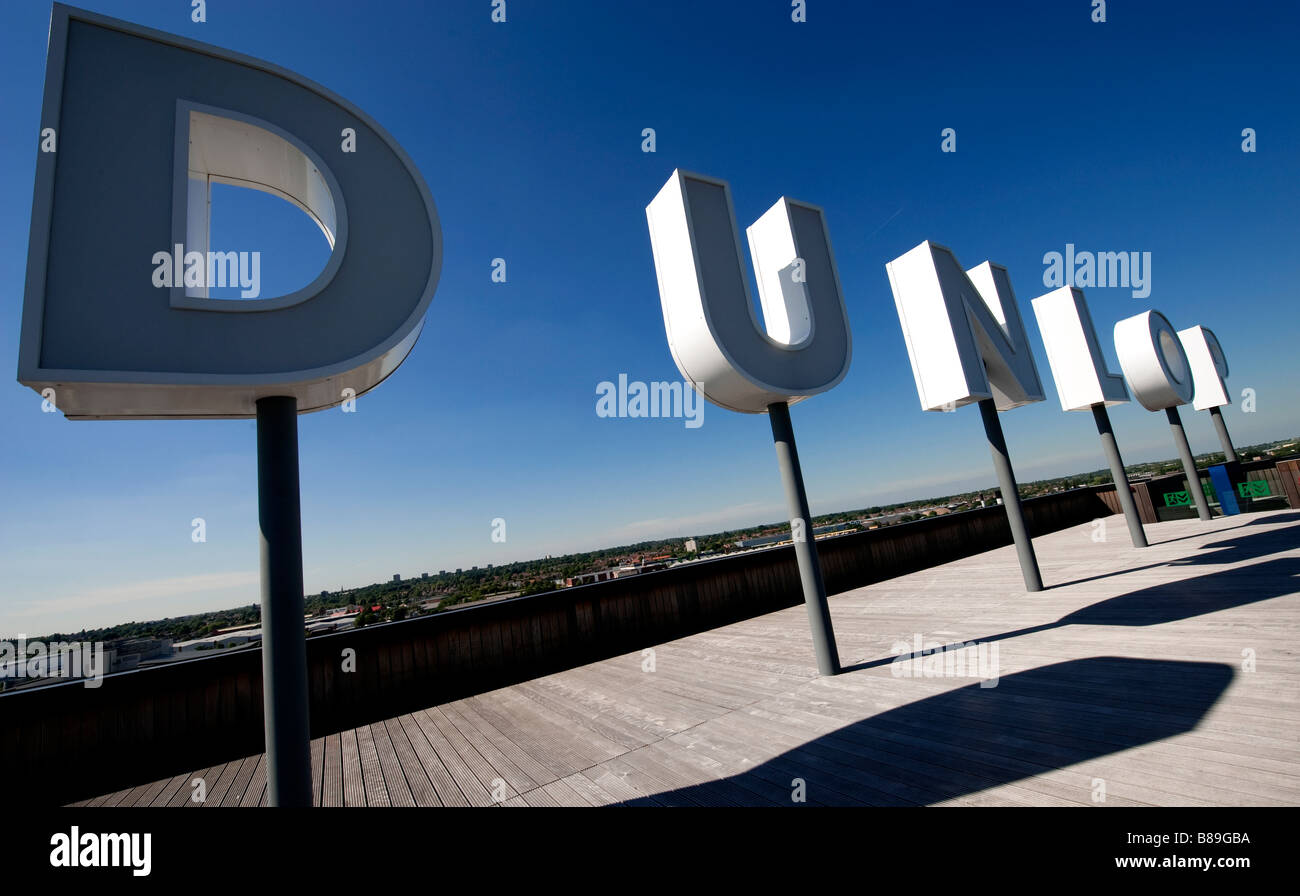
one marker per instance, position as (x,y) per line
(1122,489)
(1229,453)
(284,643)
(1010,496)
(1189,464)
(805,549)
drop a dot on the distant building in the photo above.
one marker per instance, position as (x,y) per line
(217,642)
(424,575)
(249,627)
(762,541)
(690,546)
(587,578)
(783,537)
(396,577)
(144,648)
(332,623)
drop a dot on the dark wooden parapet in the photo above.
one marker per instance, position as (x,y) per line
(66,741)
(1288,481)
(1282,477)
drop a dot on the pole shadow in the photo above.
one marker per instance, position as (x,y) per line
(1169,601)
(1244,546)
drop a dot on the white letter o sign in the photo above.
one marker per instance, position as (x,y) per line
(1153,361)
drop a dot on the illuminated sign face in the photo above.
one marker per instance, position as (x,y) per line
(117,316)
(963,330)
(1074,352)
(712,331)
(1209,367)
(1153,361)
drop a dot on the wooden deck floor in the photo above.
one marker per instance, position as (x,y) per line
(1168,676)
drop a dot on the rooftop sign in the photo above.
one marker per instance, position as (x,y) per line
(136,127)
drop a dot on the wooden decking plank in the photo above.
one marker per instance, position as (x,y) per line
(400,790)
(489,743)
(588,790)
(151,792)
(255,793)
(217,790)
(235,794)
(559,749)
(446,792)
(317,769)
(354,786)
(422,790)
(332,774)
(185,795)
(619,780)
(372,774)
(613,730)
(164,796)
(127,797)
(473,774)
(466,781)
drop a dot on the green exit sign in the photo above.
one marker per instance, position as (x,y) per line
(1177,499)
(1256,489)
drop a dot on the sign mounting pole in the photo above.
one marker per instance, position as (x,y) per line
(1189,463)
(1229,453)
(805,548)
(1122,490)
(1010,496)
(284,643)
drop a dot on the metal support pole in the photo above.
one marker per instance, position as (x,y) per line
(1010,496)
(1189,464)
(1122,489)
(805,550)
(284,643)
(1229,453)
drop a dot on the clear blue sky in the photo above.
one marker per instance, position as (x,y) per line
(1115,136)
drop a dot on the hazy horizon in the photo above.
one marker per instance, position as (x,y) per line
(254,595)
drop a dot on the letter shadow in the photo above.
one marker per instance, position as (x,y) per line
(970,739)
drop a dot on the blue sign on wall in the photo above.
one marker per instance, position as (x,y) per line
(1223,487)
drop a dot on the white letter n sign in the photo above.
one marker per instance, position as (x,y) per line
(964,333)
